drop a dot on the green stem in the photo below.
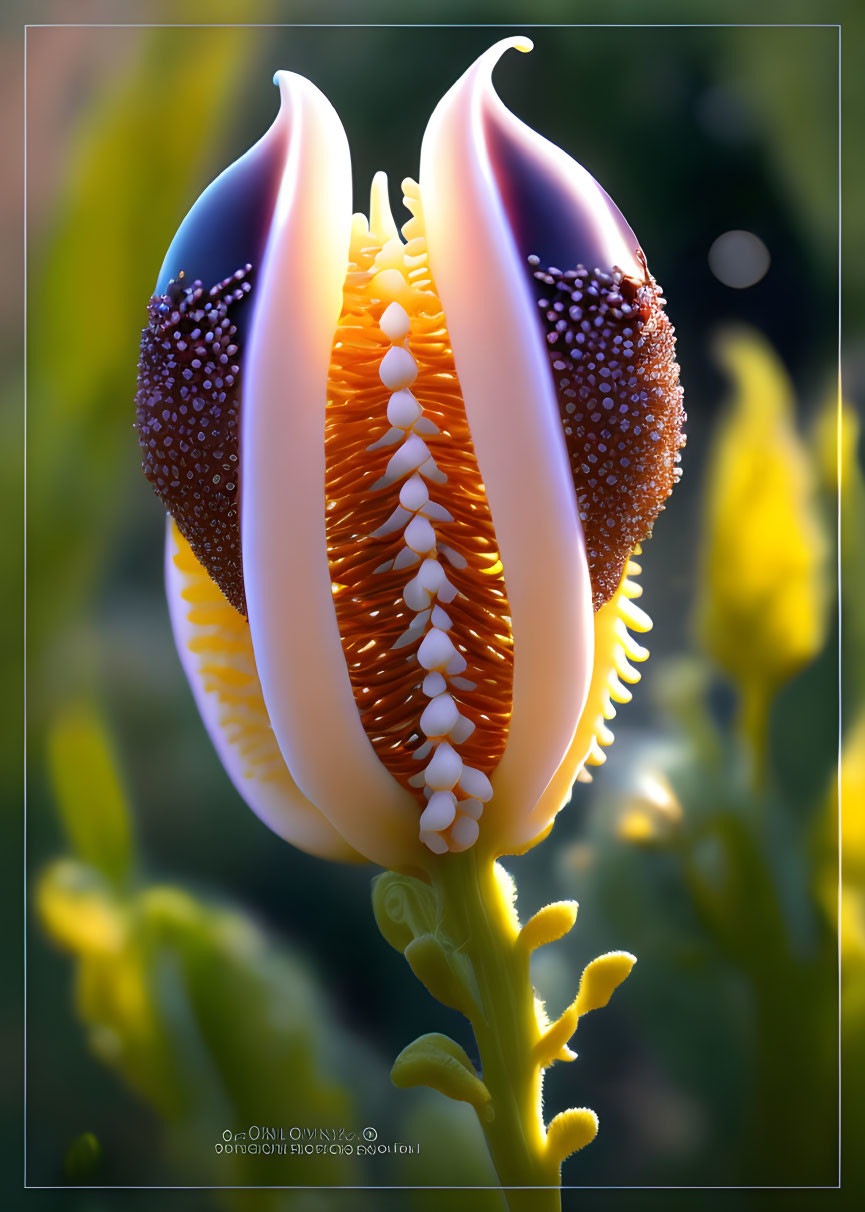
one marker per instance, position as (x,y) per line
(754,728)
(476,914)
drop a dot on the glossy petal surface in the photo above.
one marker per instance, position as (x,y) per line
(291,614)
(515,426)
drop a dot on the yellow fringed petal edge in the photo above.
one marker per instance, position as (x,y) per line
(615,650)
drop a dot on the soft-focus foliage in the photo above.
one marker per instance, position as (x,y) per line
(90,798)
(740,868)
(106,238)
(196,1010)
(188,1001)
(82,1158)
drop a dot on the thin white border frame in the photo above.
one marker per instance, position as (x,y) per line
(839,529)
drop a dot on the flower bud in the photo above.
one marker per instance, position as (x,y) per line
(406,474)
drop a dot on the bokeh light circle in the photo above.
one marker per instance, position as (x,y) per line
(739,259)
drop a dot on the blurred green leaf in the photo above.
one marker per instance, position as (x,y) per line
(82,1158)
(132,173)
(135,169)
(257,1010)
(802,150)
(88,789)
(437,1061)
(205,1019)
(445,1130)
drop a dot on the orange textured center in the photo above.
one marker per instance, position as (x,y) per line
(378,548)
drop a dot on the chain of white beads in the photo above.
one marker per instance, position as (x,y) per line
(455,792)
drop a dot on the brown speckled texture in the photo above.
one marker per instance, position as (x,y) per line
(613,359)
(187,411)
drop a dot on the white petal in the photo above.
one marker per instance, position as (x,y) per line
(517,434)
(288,586)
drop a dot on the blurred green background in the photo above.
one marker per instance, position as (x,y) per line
(189,973)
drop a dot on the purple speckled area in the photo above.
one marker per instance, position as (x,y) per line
(186,413)
(613,357)
(188,397)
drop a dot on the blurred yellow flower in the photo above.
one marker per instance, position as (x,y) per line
(636,826)
(78,911)
(761,609)
(113,998)
(190,1004)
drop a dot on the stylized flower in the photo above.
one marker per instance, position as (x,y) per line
(406,476)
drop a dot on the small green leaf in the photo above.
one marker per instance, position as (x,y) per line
(601,978)
(90,796)
(548,924)
(82,1158)
(441,973)
(404,908)
(439,1062)
(571,1130)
